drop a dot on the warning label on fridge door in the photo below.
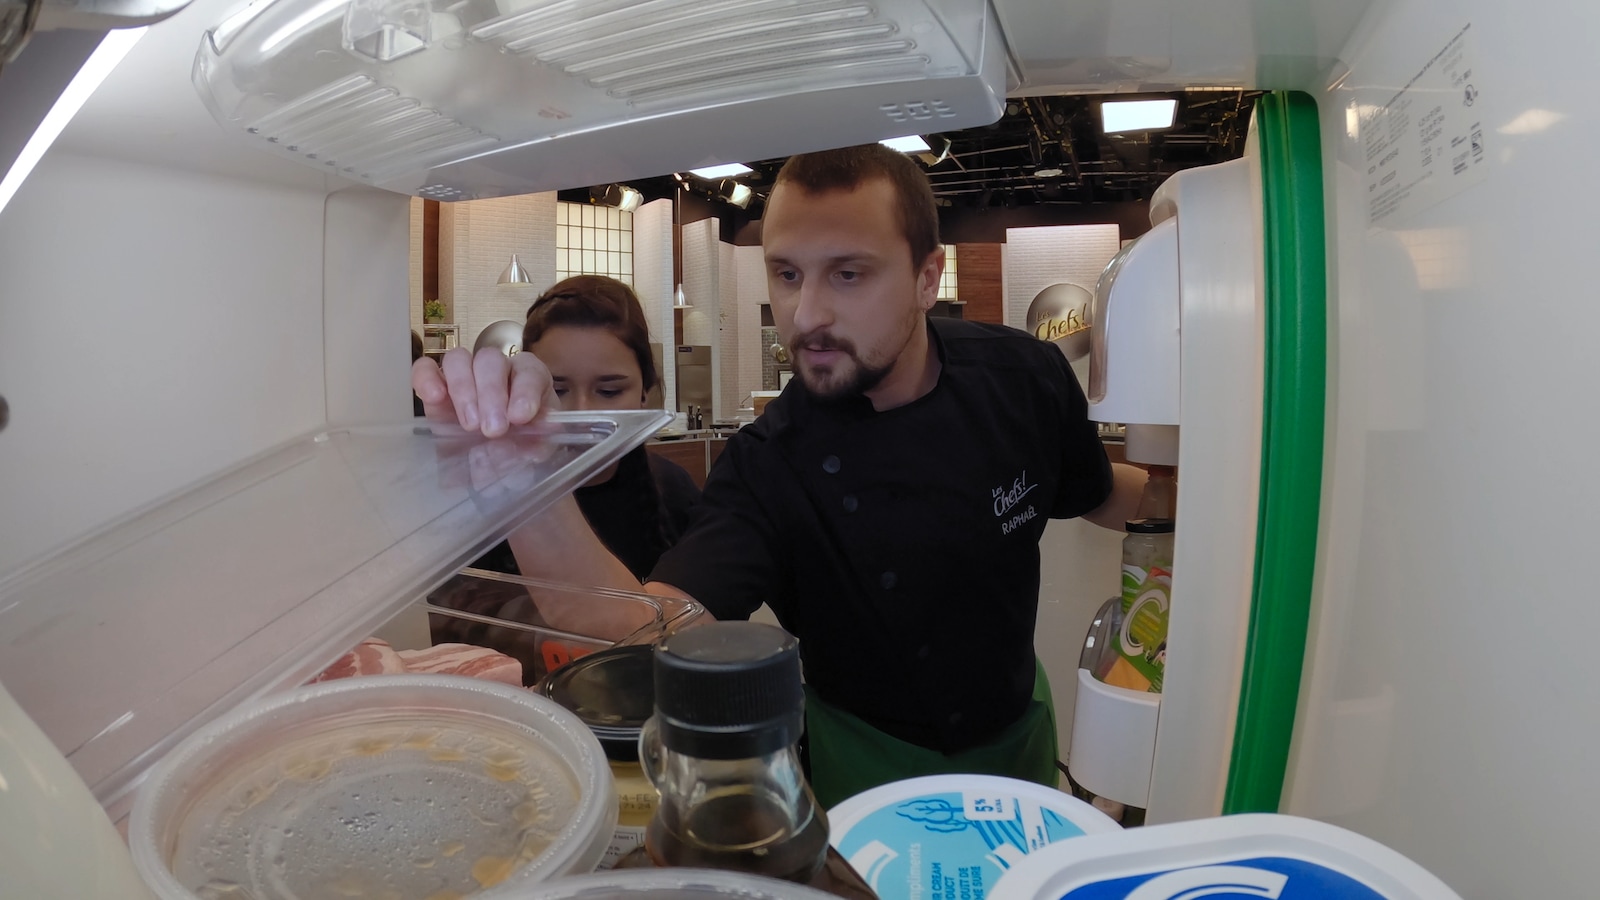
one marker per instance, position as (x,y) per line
(1424,143)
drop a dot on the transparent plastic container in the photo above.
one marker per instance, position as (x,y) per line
(405,786)
(254,580)
(546,624)
(671,884)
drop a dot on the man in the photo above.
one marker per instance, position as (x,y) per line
(888,506)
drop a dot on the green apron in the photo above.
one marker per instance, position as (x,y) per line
(849,756)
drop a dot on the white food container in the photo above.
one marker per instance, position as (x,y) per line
(1247,855)
(951,837)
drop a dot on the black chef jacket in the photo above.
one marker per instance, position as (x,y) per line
(902,547)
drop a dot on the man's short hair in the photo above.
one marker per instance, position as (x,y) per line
(848,168)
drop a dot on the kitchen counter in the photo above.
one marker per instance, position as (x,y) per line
(694,450)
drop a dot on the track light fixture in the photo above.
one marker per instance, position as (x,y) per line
(730,191)
(618,195)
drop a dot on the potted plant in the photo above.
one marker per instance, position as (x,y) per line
(433,311)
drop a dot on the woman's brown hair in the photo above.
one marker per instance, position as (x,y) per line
(595,301)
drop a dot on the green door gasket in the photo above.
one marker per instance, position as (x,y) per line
(1295,376)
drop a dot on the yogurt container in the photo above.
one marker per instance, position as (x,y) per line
(951,837)
(1247,855)
(404,786)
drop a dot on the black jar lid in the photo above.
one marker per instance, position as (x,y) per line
(612,691)
(729,690)
(1149,526)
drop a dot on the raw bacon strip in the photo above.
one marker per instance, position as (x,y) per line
(372,656)
(464,659)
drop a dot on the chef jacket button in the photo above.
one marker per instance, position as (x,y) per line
(955,718)
(888,580)
(850,503)
(923,651)
(830,464)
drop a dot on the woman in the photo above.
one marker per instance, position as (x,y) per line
(590,331)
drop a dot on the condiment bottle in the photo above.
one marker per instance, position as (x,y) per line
(613,692)
(1141,638)
(1159,498)
(721,749)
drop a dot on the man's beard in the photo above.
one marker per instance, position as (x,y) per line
(863,376)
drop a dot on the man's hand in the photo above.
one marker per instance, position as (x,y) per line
(486,392)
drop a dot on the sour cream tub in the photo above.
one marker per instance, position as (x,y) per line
(404,786)
(951,837)
(1247,855)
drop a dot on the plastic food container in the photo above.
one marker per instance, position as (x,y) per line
(1251,855)
(406,786)
(253,580)
(671,884)
(953,836)
(545,624)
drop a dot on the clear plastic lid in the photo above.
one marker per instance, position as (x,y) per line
(257,578)
(672,884)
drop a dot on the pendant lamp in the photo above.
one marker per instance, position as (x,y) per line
(515,273)
(679,301)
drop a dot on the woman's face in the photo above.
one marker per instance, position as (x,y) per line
(592,368)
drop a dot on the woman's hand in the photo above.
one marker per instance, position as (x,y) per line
(486,392)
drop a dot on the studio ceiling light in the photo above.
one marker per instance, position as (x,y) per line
(730,191)
(722,171)
(618,195)
(911,143)
(1136,115)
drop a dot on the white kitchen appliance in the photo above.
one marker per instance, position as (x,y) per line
(228,299)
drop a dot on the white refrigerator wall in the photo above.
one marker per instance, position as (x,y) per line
(160,325)
(1449,705)
(155,325)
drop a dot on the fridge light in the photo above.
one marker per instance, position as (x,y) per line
(95,69)
(1532,121)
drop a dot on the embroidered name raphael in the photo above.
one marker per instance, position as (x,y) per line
(1006,499)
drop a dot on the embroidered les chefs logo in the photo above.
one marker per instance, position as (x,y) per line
(1006,500)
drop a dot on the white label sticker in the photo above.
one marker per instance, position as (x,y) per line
(988,807)
(623,840)
(1424,143)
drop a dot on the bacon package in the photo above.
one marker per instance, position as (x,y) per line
(374,656)
(464,659)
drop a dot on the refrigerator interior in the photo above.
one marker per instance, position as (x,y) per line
(172,289)
(1443,711)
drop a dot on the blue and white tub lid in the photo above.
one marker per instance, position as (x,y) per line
(951,837)
(1254,856)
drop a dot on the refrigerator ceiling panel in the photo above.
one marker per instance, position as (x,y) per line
(498,99)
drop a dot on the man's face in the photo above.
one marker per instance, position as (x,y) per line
(844,294)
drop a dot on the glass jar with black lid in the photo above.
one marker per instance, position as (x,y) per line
(613,692)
